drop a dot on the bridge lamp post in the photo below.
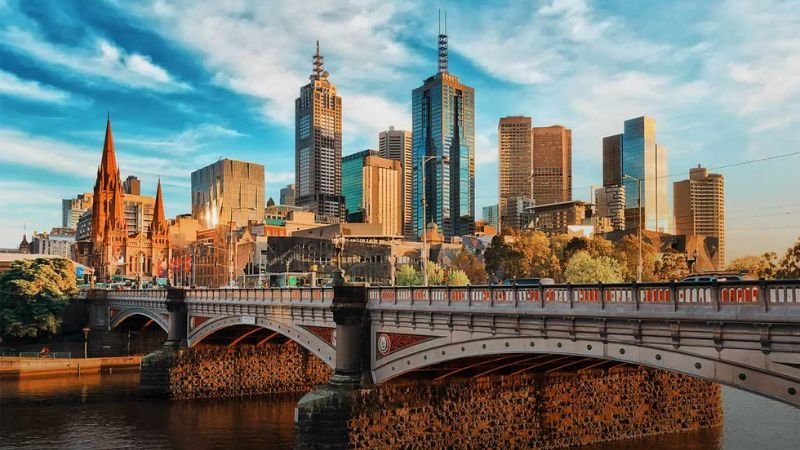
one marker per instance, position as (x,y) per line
(691,260)
(85,330)
(231,269)
(424,255)
(640,264)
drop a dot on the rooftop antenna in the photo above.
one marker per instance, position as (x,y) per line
(442,43)
(319,62)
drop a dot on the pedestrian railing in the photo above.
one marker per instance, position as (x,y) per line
(36,355)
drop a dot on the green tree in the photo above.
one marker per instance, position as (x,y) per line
(32,295)
(671,266)
(764,266)
(457,277)
(790,264)
(470,265)
(435,274)
(408,275)
(583,268)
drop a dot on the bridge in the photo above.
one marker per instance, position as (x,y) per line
(744,334)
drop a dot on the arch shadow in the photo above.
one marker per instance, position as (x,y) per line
(125,314)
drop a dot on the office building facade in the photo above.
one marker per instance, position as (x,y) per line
(353,184)
(699,205)
(287,195)
(228,190)
(552,164)
(443,119)
(397,145)
(515,164)
(490,215)
(318,146)
(73,208)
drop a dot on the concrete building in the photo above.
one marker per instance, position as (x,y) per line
(552,164)
(73,208)
(490,215)
(610,202)
(228,190)
(443,118)
(398,145)
(58,242)
(372,188)
(287,195)
(612,160)
(318,146)
(132,186)
(556,218)
(699,205)
(515,153)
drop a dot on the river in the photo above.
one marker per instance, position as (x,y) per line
(104,412)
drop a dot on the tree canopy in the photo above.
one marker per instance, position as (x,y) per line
(790,264)
(408,275)
(32,295)
(472,267)
(764,266)
(584,268)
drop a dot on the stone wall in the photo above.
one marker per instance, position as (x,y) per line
(530,411)
(243,371)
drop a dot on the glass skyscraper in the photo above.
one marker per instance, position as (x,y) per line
(645,160)
(353,184)
(443,117)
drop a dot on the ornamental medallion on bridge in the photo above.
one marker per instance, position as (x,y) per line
(388,343)
(327,334)
(196,321)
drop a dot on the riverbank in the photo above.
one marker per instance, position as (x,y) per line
(15,367)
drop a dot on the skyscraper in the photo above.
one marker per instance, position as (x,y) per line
(372,190)
(397,145)
(443,117)
(645,160)
(612,163)
(72,208)
(552,164)
(700,208)
(490,215)
(287,195)
(353,184)
(318,146)
(228,190)
(515,153)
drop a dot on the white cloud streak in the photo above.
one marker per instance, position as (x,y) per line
(12,85)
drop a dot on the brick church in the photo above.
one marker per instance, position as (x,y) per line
(111,248)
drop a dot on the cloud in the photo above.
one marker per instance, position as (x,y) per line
(188,141)
(97,58)
(14,86)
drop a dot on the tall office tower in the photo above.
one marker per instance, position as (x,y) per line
(490,214)
(353,184)
(287,195)
(397,145)
(372,188)
(612,160)
(515,152)
(552,164)
(132,186)
(72,208)
(318,146)
(610,203)
(700,208)
(443,117)
(645,160)
(228,190)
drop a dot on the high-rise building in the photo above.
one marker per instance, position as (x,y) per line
(132,186)
(372,188)
(353,184)
(318,146)
(72,208)
(443,117)
(287,195)
(700,208)
(228,190)
(490,215)
(515,153)
(397,145)
(610,202)
(612,160)
(552,164)
(643,159)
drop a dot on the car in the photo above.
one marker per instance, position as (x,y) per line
(528,281)
(710,278)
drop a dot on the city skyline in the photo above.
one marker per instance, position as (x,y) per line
(170,105)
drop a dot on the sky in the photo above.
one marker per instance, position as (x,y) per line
(188,82)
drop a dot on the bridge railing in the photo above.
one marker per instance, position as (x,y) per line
(155,294)
(653,296)
(280,295)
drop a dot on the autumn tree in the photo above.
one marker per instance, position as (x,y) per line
(520,254)
(470,265)
(583,268)
(764,266)
(626,252)
(671,266)
(436,275)
(504,260)
(33,293)
(457,277)
(790,264)
(408,275)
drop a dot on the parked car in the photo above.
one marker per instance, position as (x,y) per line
(710,278)
(528,281)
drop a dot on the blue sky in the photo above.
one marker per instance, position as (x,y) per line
(189,82)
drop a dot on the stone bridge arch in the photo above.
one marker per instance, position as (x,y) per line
(307,339)
(127,313)
(777,381)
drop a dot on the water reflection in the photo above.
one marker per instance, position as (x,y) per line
(104,411)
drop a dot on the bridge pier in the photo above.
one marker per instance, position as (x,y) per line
(154,379)
(322,415)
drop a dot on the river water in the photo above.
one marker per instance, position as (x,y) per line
(104,412)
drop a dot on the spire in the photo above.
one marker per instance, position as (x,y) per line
(108,163)
(319,63)
(108,205)
(159,223)
(442,43)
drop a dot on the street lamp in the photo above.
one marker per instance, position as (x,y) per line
(338,246)
(640,264)
(690,261)
(424,255)
(85,330)
(231,268)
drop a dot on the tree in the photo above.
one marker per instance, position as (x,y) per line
(408,275)
(790,264)
(764,266)
(471,266)
(671,266)
(457,277)
(503,260)
(435,274)
(33,294)
(626,252)
(583,268)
